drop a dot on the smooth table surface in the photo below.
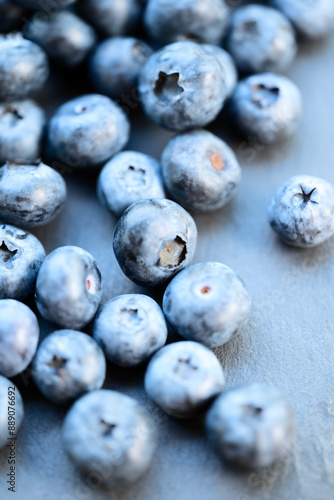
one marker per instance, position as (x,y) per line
(289,341)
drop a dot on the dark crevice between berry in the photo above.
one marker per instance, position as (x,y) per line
(172,253)
(264,96)
(167,87)
(57,363)
(107,428)
(305,197)
(134,176)
(6,255)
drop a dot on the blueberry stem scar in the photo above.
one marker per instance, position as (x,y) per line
(306,197)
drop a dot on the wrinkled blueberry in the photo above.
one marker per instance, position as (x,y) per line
(87,131)
(68,287)
(312,19)
(184,378)
(19,333)
(154,240)
(130,328)
(116,63)
(227,65)
(267,107)
(24,67)
(30,195)
(21,256)
(182,86)
(302,211)
(111,17)
(22,125)
(68,364)
(63,36)
(200,171)
(171,20)
(208,303)
(11,404)
(261,39)
(10,15)
(252,426)
(128,177)
(111,436)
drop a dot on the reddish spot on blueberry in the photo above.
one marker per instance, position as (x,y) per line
(205,290)
(88,284)
(217,161)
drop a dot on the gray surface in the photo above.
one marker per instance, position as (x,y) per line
(289,341)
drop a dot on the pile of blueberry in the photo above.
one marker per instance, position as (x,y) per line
(183,85)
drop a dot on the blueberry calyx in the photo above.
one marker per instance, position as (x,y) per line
(172,253)
(306,197)
(185,366)
(167,87)
(6,255)
(57,363)
(107,428)
(134,176)
(264,96)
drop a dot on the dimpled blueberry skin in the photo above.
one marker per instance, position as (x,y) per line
(154,240)
(68,364)
(252,426)
(30,195)
(8,396)
(110,435)
(208,303)
(128,177)
(130,328)
(200,171)
(171,20)
(19,333)
(184,378)
(63,36)
(302,211)
(24,67)
(116,63)
(87,131)
(261,39)
(111,17)
(227,65)
(266,106)
(69,287)
(182,86)
(46,5)
(313,19)
(22,126)
(21,256)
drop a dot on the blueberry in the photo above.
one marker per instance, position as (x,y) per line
(68,364)
(128,177)
(227,65)
(208,303)
(30,195)
(87,131)
(302,211)
(10,15)
(110,437)
(183,379)
(312,19)
(200,171)
(21,256)
(24,67)
(112,17)
(19,333)
(252,426)
(267,107)
(182,86)
(116,63)
(130,328)
(68,287)
(63,36)
(10,401)
(261,39)
(154,240)
(22,125)
(46,5)
(201,20)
